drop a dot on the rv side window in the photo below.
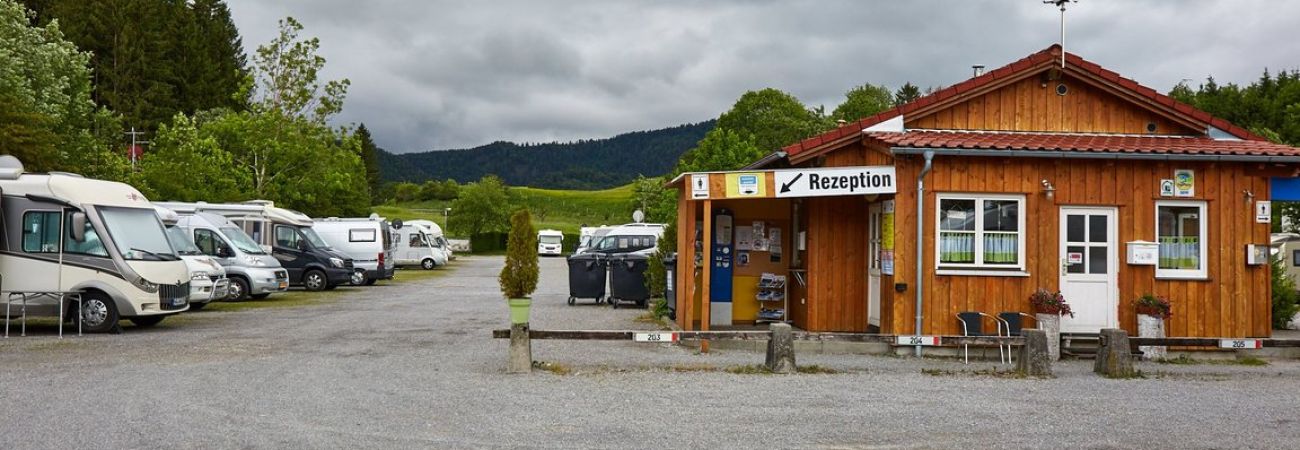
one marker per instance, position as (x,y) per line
(41,232)
(207,241)
(286,237)
(361,235)
(417,241)
(89,246)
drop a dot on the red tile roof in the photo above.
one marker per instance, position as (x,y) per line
(832,138)
(1126,144)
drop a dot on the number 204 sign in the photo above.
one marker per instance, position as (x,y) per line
(917,340)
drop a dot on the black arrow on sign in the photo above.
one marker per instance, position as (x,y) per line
(785,187)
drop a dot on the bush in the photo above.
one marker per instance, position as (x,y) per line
(1154,306)
(1284,295)
(519,276)
(1047,302)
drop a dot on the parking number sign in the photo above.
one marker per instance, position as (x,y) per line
(1241,343)
(655,337)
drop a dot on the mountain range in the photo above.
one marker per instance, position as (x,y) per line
(584,164)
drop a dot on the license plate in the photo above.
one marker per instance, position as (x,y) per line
(178,301)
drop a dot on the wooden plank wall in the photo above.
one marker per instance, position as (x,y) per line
(1234,301)
(837,264)
(1028,106)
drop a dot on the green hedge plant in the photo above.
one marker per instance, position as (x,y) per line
(519,276)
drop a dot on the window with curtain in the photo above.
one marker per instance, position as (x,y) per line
(980,232)
(1180,232)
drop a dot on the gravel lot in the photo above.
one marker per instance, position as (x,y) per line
(412,365)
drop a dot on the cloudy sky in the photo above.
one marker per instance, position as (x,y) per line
(437,74)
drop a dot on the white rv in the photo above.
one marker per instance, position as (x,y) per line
(633,238)
(588,236)
(436,237)
(369,241)
(207,278)
(115,251)
(416,246)
(550,242)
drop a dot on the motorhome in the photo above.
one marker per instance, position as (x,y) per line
(436,237)
(288,235)
(368,241)
(416,246)
(550,243)
(633,238)
(252,271)
(588,236)
(207,278)
(115,253)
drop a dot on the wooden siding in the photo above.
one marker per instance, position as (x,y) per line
(1028,106)
(837,264)
(1234,301)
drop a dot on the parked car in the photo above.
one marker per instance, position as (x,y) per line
(368,241)
(288,235)
(207,278)
(550,243)
(114,251)
(252,271)
(417,247)
(634,238)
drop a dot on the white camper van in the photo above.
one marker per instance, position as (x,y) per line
(633,238)
(436,237)
(369,241)
(416,246)
(252,271)
(587,236)
(288,235)
(550,242)
(207,278)
(114,252)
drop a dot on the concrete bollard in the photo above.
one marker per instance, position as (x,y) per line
(521,350)
(1035,356)
(780,349)
(1114,359)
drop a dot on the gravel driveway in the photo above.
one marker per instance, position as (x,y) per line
(412,365)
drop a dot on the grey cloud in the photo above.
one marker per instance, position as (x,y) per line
(434,75)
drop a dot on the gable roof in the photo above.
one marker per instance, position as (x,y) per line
(1092,145)
(1029,66)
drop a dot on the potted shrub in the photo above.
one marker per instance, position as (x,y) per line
(1048,308)
(519,277)
(1152,310)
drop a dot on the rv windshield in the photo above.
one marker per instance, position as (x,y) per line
(314,238)
(181,242)
(137,233)
(551,239)
(242,241)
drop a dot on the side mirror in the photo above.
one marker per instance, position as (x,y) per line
(78,224)
(302,246)
(224,252)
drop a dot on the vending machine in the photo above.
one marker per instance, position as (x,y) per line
(721,257)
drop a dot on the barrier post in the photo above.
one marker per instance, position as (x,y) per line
(521,349)
(1035,357)
(1114,359)
(780,349)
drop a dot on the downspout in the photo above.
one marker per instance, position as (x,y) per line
(920,239)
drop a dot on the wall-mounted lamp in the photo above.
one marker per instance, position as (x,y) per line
(1248,194)
(1048,188)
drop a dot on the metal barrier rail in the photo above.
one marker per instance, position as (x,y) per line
(1224,343)
(673,336)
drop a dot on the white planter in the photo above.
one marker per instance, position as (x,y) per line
(1151,326)
(1051,324)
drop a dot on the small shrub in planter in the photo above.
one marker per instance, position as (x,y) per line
(1048,302)
(519,277)
(1154,306)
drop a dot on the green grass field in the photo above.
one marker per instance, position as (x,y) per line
(555,209)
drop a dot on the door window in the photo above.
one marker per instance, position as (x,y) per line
(1087,246)
(417,241)
(287,237)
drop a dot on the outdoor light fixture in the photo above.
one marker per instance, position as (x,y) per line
(1248,194)
(1048,188)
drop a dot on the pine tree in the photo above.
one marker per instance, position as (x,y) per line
(370,157)
(519,277)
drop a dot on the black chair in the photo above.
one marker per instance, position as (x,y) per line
(972,324)
(1013,321)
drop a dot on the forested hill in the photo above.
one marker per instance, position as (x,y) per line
(585,164)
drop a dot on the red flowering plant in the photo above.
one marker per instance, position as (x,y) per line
(1048,302)
(1153,305)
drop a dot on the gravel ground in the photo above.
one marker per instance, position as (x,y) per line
(411,365)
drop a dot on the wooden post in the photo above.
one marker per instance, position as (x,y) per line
(1114,359)
(1035,359)
(708,264)
(521,350)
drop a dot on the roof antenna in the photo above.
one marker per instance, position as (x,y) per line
(1061,4)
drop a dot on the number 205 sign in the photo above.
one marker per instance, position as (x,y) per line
(1241,343)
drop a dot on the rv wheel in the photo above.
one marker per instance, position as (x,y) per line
(148,321)
(428,264)
(238,289)
(98,313)
(314,280)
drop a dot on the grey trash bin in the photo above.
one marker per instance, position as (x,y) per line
(587,276)
(627,279)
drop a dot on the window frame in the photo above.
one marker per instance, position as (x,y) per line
(352,235)
(1295,258)
(58,235)
(1202,273)
(979,267)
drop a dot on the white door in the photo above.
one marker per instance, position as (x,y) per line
(873,267)
(1089,268)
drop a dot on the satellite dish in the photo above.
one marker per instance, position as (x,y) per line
(397,224)
(374,216)
(638,216)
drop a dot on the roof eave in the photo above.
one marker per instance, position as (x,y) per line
(1094,155)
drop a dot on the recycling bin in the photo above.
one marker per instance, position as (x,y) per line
(587,273)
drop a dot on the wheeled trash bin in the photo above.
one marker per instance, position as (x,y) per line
(587,276)
(627,280)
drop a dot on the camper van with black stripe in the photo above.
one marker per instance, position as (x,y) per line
(101,239)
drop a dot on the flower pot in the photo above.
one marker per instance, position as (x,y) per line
(519,309)
(1051,324)
(1151,326)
